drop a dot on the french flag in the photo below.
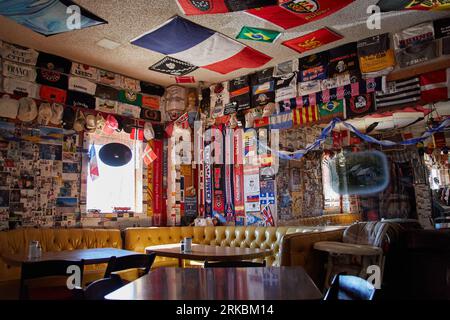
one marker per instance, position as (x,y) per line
(184,40)
(93,164)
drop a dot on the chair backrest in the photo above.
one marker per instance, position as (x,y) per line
(98,289)
(345,287)
(367,233)
(43,269)
(136,261)
(234,264)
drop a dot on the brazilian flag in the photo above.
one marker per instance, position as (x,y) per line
(256,34)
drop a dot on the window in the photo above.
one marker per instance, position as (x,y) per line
(117,188)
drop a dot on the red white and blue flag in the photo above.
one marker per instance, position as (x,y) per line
(93,165)
(184,40)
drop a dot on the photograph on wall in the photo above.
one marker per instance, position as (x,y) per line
(50,152)
(66,202)
(49,135)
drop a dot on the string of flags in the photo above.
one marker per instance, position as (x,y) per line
(326,132)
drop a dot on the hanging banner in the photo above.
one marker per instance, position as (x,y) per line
(157,176)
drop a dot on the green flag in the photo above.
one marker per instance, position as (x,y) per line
(331,109)
(256,34)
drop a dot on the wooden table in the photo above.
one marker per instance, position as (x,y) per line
(285,283)
(341,248)
(208,253)
(90,256)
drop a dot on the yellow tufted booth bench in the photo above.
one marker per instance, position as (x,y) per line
(137,239)
(16,241)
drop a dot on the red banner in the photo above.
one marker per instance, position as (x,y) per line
(312,40)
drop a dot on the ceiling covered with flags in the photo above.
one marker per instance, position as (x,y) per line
(130,21)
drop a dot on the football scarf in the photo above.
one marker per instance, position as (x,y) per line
(150,194)
(130,84)
(151,102)
(262,76)
(238,179)
(84,71)
(240,92)
(360,105)
(417,53)
(267,200)
(219,189)
(399,93)
(343,59)
(53,63)
(82,85)
(394,5)
(414,35)
(200,7)
(442,30)
(251,189)
(173,67)
(130,97)
(103,105)
(108,77)
(306,115)
(361,87)
(229,160)
(285,87)
(106,92)
(263,94)
(435,86)
(294,13)
(208,182)
(257,34)
(18,71)
(219,98)
(152,89)
(20,88)
(52,78)
(51,94)
(312,40)
(375,54)
(313,67)
(80,100)
(18,54)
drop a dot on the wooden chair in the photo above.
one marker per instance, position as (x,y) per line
(136,261)
(43,269)
(234,264)
(345,287)
(98,289)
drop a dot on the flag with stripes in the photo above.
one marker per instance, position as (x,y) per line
(399,93)
(93,164)
(435,86)
(305,115)
(149,155)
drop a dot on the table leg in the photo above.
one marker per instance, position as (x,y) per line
(329,270)
(180,263)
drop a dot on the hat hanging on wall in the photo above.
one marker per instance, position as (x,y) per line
(57,113)
(90,125)
(111,124)
(149,133)
(80,122)
(8,107)
(27,110)
(115,154)
(45,114)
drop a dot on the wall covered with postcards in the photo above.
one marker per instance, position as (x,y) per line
(48,104)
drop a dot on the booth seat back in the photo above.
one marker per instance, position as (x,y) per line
(137,239)
(327,219)
(16,242)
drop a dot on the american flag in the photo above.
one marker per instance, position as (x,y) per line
(93,165)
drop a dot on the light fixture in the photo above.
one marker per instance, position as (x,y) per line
(115,154)
(108,44)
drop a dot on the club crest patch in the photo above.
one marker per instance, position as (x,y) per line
(301,6)
(202,5)
(173,67)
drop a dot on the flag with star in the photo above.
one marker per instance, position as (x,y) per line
(257,34)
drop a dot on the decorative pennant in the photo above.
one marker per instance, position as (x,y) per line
(257,34)
(187,41)
(294,13)
(313,40)
(49,18)
(149,155)
(173,67)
